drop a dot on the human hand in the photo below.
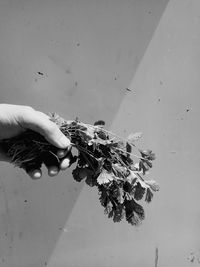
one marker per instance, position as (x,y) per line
(15,119)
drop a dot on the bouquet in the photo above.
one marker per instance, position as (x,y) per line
(102,159)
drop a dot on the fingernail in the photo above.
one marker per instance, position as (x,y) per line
(65,164)
(64,141)
(53,171)
(36,174)
(61,153)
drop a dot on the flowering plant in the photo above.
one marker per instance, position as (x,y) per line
(104,160)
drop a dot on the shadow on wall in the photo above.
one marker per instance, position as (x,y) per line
(75,58)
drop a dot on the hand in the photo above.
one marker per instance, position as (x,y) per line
(15,119)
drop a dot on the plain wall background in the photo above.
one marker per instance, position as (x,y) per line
(89,52)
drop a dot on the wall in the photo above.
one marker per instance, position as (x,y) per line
(89,52)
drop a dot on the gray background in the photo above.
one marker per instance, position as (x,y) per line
(89,52)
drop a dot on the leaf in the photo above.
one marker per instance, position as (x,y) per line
(128,148)
(119,213)
(133,219)
(152,156)
(153,185)
(90,181)
(127,187)
(85,135)
(90,131)
(149,195)
(119,170)
(76,174)
(99,141)
(134,212)
(99,123)
(149,163)
(120,196)
(148,154)
(103,159)
(121,145)
(136,166)
(145,152)
(143,166)
(143,183)
(132,177)
(99,167)
(138,209)
(104,199)
(133,137)
(139,191)
(83,173)
(111,214)
(104,177)
(108,208)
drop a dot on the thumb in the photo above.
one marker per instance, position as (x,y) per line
(40,122)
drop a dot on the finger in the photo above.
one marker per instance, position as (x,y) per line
(3,156)
(53,171)
(33,168)
(65,163)
(61,153)
(39,122)
(52,132)
(35,174)
(52,163)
